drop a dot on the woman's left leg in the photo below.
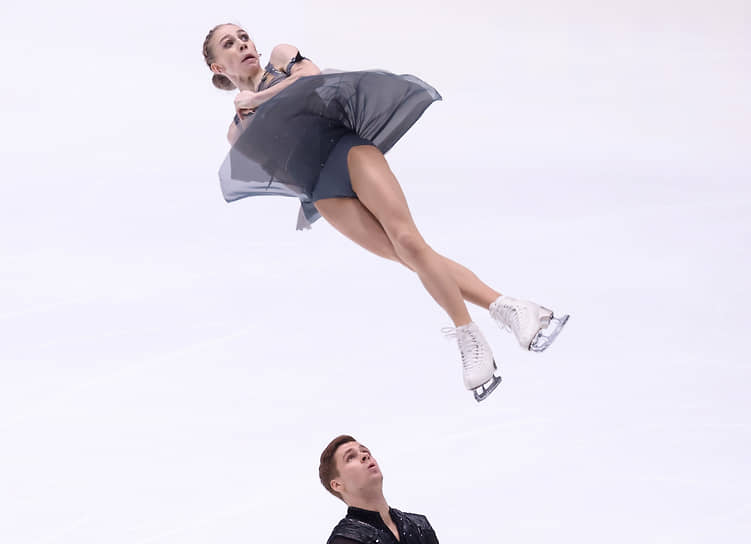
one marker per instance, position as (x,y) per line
(351,218)
(448,282)
(379,191)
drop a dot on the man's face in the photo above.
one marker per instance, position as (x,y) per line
(358,470)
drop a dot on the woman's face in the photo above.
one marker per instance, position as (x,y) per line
(235,54)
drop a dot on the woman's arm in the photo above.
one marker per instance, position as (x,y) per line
(234,131)
(280,56)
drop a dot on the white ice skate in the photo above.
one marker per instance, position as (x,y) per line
(535,326)
(478,364)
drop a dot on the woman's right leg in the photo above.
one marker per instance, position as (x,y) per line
(354,220)
(351,218)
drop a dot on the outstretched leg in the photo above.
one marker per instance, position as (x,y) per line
(379,220)
(379,191)
(351,218)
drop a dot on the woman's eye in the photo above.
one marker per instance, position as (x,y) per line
(227,44)
(244,37)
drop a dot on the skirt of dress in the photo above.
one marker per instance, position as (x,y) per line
(288,142)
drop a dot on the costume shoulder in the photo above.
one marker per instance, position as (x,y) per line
(342,540)
(355,530)
(417,523)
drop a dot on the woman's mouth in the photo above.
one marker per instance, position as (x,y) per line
(249,57)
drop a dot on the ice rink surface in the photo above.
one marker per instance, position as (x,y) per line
(172,366)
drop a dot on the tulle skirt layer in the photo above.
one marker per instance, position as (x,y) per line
(290,138)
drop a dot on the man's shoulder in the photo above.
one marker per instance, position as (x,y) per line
(420,525)
(417,519)
(356,530)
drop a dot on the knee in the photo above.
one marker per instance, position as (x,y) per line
(409,245)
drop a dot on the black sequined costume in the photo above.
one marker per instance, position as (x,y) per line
(366,527)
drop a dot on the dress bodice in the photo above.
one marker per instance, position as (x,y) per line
(273,75)
(290,141)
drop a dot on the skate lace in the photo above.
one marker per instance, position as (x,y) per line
(507,317)
(471,349)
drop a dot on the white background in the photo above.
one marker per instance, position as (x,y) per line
(172,365)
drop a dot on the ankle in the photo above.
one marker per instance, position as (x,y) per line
(462,322)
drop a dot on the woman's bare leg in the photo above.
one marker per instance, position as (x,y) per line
(473,289)
(379,191)
(351,218)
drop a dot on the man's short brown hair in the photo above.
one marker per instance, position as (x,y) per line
(327,469)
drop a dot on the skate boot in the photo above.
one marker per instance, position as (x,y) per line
(527,320)
(478,364)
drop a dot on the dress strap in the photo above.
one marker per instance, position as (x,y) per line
(272,75)
(297,58)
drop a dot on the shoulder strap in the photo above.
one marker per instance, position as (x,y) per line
(272,76)
(293,60)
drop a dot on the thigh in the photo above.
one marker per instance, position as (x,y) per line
(351,218)
(379,190)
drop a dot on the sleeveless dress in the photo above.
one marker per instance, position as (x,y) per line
(296,143)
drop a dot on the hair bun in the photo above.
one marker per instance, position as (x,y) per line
(222,82)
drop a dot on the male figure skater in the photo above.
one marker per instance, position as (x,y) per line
(349,472)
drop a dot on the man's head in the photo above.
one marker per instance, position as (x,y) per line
(348,470)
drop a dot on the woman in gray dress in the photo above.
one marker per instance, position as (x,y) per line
(322,138)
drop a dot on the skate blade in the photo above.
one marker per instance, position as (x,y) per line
(542,341)
(484,391)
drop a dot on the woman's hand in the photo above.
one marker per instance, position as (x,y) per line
(246,103)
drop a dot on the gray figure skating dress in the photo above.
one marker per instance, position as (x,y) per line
(296,143)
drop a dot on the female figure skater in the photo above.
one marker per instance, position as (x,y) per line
(321,138)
